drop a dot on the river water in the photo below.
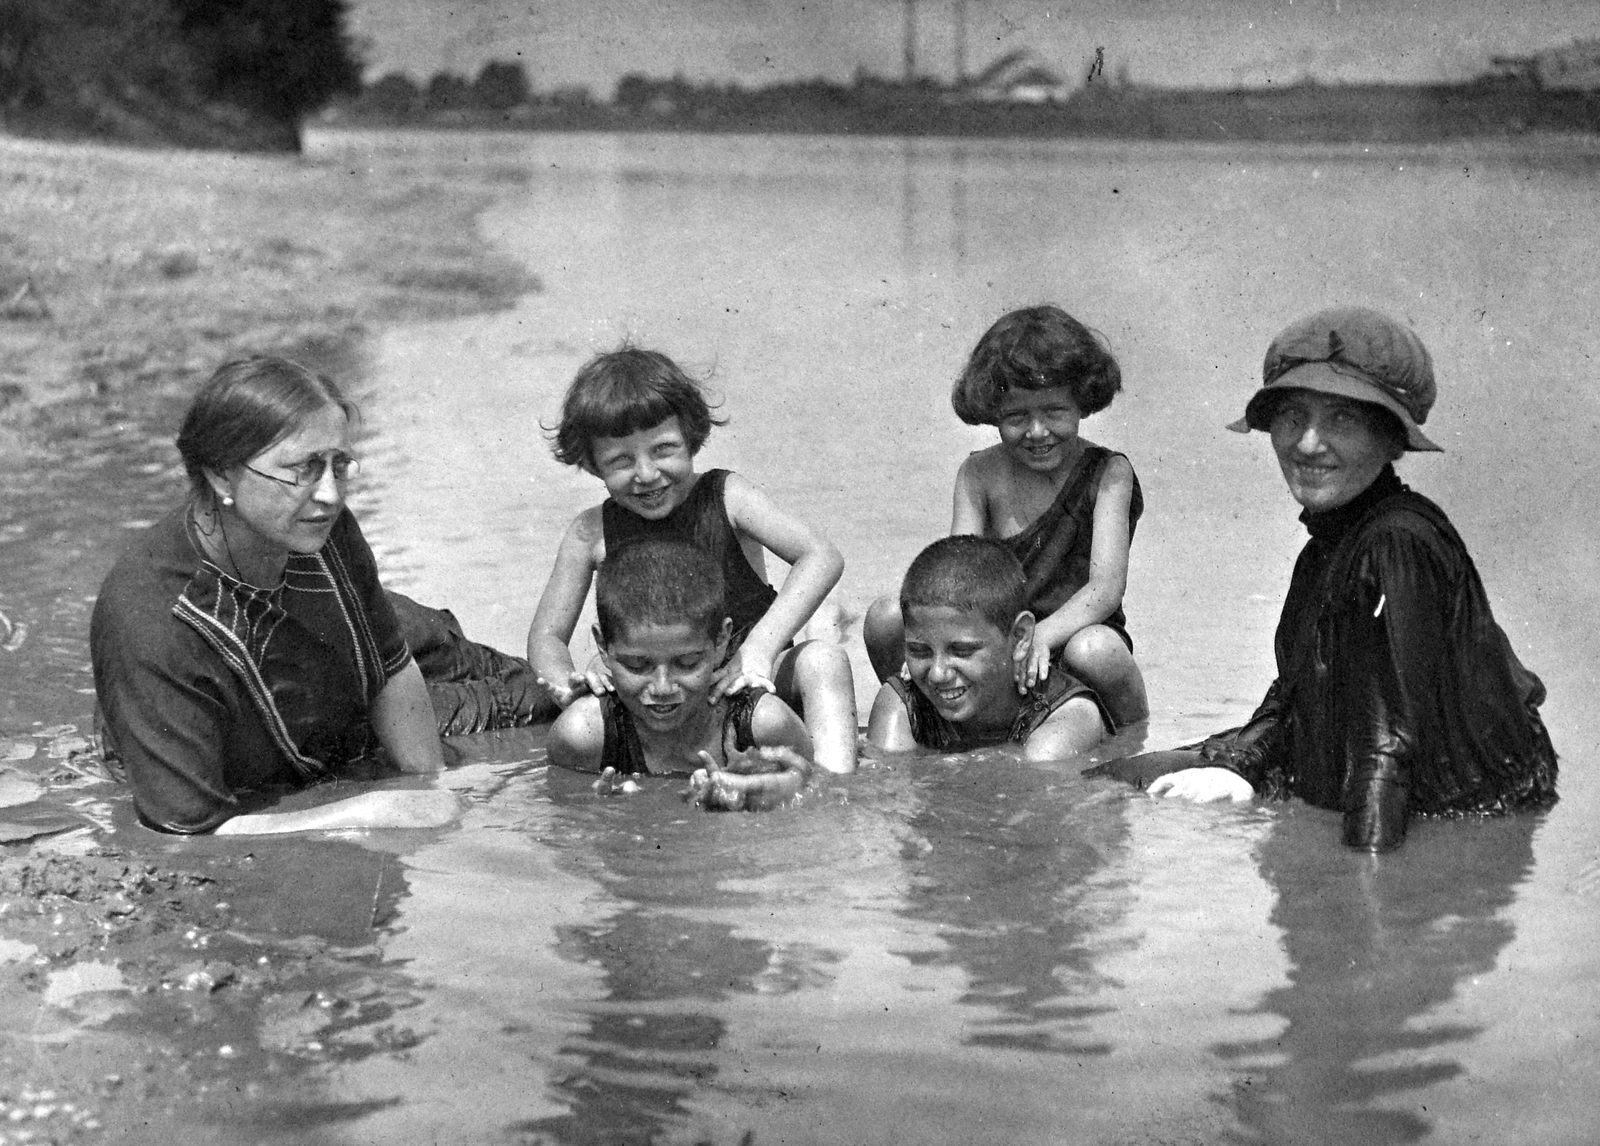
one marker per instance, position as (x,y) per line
(977,950)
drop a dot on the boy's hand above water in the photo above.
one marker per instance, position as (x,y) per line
(611,783)
(753,781)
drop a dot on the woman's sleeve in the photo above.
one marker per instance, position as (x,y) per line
(1254,750)
(163,717)
(1395,635)
(393,651)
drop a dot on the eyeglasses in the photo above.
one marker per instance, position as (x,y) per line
(310,471)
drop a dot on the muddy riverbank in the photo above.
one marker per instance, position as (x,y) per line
(155,990)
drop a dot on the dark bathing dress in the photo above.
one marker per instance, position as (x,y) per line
(931,730)
(1397,693)
(701,520)
(1055,548)
(209,688)
(621,749)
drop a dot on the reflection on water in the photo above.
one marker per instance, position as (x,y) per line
(1376,944)
(1007,861)
(953,951)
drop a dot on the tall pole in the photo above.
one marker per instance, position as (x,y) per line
(961,43)
(911,40)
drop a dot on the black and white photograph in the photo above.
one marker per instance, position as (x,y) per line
(799,572)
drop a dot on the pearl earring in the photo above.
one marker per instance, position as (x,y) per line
(226,500)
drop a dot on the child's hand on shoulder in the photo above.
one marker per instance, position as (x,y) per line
(754,781)
(592,681)
(1030,664)
(745,669)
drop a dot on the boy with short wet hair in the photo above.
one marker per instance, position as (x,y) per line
(635,420)
(967,629)
(663,630)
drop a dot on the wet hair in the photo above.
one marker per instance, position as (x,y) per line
(970,573)
(660,581)
(623,392)
(1036,348)
(246,407)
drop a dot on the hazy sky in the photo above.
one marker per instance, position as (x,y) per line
(1175,42)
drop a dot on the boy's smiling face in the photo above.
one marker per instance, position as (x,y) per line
(648,472)
(663,673)
(963,663)
(1039,427)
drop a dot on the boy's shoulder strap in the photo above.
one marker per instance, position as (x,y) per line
(620,748)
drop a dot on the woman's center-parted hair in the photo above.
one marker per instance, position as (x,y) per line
(970,573)
(1035,348)
(625,391)
(247,406)
(660,581)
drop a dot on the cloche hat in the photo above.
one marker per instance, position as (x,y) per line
(1353,352)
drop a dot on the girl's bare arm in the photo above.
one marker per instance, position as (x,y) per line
(1108,562)
(560,604)
(815,566)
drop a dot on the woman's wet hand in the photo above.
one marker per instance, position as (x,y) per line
(1203,786)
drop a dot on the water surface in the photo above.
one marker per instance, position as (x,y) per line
(974,950)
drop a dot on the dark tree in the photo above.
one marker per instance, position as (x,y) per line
(449,92)
(396,94)
(634,91)
(284,58)
(502,85)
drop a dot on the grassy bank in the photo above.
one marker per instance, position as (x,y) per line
(138,271)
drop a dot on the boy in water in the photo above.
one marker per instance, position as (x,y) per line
(967,633)
(663,630)
(636,421)
(1065,506)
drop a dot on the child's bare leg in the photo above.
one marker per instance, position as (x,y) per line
(1097,656)
(884,632)
(814,679)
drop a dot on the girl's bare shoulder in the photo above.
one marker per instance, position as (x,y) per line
(988,465)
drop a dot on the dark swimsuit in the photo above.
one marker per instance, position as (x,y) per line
(702,520)
(931,730)
(1056,548)
(621,748)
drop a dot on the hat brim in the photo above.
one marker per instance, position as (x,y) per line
(1327,378)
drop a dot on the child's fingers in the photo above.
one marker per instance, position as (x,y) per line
(712,767)
(607,783)
(597,683)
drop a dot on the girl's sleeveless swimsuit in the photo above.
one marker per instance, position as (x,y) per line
(1055,549)
(702,520)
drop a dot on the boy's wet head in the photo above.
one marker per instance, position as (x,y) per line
(970,574)
(963,606)
(659,581)
(1036,348)
(623,392)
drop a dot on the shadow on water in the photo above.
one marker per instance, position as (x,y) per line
(1375,943)
(1004,858)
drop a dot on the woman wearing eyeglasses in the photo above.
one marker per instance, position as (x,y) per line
(244,643)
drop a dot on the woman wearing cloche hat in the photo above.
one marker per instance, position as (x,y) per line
(1397,693)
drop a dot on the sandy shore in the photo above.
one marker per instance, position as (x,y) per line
(155,997)
(134,273)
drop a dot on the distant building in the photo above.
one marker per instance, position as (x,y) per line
(1572,67)
(1016,77)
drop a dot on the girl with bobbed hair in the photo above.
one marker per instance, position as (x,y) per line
(244,643)
(1064,506)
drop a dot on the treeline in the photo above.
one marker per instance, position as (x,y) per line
(501,95)
(222,73)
